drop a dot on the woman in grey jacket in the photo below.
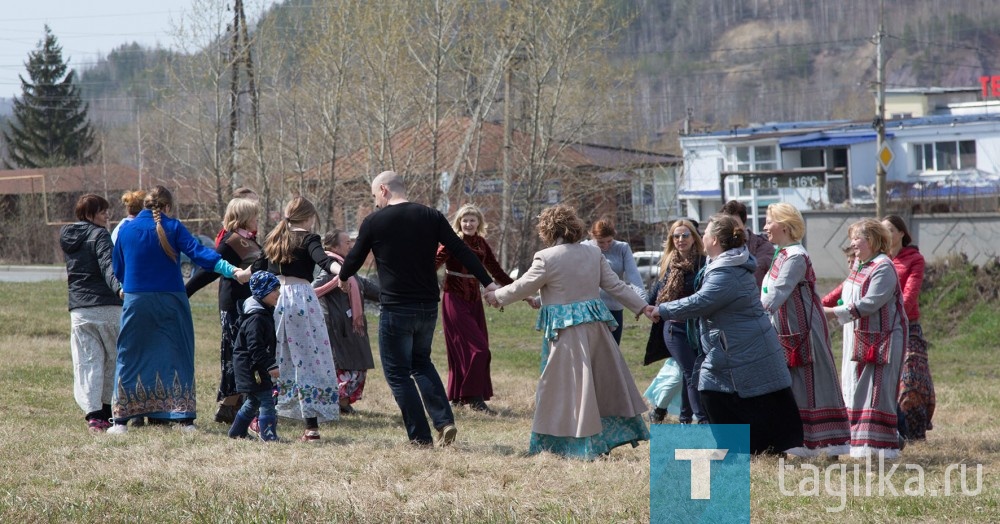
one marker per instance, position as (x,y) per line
(743,377)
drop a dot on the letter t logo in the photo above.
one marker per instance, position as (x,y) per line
(701,469)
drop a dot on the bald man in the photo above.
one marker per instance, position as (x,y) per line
(404,238)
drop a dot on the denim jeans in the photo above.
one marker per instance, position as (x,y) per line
(675,338)
(258,401)
(405,332)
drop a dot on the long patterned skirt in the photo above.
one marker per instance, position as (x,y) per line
(916,388)
(154,375)
(307,382)
(230,321)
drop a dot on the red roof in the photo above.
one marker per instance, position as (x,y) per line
(79,179)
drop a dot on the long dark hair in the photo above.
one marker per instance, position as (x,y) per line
(898,223)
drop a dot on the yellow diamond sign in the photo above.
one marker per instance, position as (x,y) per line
(885,156)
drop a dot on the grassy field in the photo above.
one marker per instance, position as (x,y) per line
(53,470)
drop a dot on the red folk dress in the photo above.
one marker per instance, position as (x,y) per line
(789,297)
(464,322)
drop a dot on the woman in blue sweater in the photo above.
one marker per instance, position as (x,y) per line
(619,257)
(154,375)
(743,376)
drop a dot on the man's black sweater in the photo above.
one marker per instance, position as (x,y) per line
(404,238)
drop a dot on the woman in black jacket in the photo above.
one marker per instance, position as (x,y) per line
(95,308)
(239,247)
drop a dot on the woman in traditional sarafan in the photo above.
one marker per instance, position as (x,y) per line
(875,333)
(789,298)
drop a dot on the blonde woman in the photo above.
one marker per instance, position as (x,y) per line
(238,247)
(132,200)
(682,259)
(790,300)
(154,376)
(875,334)
(462,317)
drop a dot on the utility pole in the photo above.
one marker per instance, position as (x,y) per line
(240,58)
(505,196)
(879,122)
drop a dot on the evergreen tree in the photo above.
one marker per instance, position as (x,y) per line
(49,126)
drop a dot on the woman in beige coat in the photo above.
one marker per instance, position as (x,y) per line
(587,402)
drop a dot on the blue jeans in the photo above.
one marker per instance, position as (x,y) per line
(675,337)
(258,401)
(405,332)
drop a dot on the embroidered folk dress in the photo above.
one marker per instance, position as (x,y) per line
(789,297)
(872,302)
(586,402)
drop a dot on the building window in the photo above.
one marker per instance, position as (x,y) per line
(754,158)
(751,158)
(945,156)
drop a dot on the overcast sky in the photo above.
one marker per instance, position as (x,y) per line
(86,29)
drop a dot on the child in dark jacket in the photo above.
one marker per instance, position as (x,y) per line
(253,359)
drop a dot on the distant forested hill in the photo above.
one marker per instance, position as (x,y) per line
(724,62)
(734,62)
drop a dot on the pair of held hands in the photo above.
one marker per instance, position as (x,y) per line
(490,296)
(651,312)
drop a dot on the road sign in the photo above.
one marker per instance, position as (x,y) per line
(885,156)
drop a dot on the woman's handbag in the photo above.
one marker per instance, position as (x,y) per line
(874,347)
(798,349)
(798,346)
(871,347)
(656,348)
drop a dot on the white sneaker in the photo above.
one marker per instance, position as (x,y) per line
(117,429)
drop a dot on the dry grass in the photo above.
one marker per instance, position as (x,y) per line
(53,470)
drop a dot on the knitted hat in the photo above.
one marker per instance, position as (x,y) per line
(262,283)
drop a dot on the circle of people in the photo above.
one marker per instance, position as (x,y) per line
(735,315)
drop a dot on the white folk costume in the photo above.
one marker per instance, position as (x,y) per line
(875,333)
(789,296)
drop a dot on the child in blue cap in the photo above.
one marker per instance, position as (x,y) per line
(253,359)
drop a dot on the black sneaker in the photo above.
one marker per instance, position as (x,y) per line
(657,415)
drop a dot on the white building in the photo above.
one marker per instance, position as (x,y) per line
(945,148)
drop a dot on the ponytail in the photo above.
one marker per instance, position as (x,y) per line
(156,200)
(281,241)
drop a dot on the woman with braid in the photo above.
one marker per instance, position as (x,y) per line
(154,375)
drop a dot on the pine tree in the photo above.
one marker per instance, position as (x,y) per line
(49,127)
